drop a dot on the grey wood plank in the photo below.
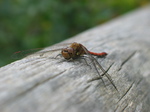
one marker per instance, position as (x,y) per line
(43,84)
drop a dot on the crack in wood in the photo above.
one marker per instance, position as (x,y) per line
(144,95)
(120,109)
(126,60)
(145,92)
(84,89)
(17,96)
(138,82)
(142,98)
(124,108)
(126,92)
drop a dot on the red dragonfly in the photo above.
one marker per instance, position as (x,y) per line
(76,50)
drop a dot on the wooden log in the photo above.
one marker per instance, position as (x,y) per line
(40,83)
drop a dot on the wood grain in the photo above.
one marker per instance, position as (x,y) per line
(39,83)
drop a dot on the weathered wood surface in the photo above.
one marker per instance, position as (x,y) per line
(40,84)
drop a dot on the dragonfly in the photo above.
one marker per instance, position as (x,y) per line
(77,50)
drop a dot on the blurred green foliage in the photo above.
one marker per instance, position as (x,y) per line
(27,24)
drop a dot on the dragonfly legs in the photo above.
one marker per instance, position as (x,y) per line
(58,55)
(83,57)
(94,64)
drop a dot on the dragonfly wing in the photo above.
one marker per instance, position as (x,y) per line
(47,51)
(25,53)
(104,71)
(106,74)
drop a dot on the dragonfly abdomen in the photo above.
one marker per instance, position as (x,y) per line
(102,54)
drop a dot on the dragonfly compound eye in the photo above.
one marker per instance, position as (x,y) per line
(66,53)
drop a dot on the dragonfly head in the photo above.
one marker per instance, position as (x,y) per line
(67,53)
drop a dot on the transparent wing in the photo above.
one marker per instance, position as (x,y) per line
(24,53)
(38,51)
(95,62)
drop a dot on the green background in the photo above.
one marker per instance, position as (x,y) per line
(28,24)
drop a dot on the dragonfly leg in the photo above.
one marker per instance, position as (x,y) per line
(83,57)
(106,74)
(58,55)
(100,76)
(94,64)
